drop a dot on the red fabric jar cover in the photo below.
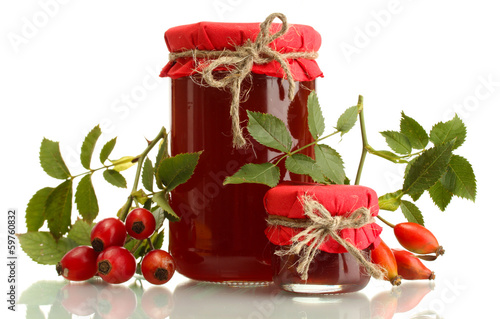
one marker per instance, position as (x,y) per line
(217,36)
(340,200)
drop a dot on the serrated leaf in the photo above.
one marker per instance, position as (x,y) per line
(330,163)
(159,198)
(411,212)
(157,239)
(88,146)
(440,195)
(414,131)
(303,164)
(86,199)
(390,201)
(398,142)
(427,169)
(266,173)
(43,248)
(80,232)
(159,215)
(35,211)
(269,131)
(123,163)
(176,170)
(162,154)
(106,150)
(459,178)
(43,292)
(454,129)
(52,161)
(315,119)
(148,175)
(114,178)
(347,120)
(58,210)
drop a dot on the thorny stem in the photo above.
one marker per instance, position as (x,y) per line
(365,140)
(130,199)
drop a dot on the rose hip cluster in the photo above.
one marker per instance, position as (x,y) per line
(405,264)
(111,261)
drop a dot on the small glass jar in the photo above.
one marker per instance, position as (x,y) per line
(333,269)
(220,237)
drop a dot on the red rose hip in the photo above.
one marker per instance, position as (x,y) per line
(384,257)
(140,223)
(410,267)
(108,232)
(158,267)
(116,265)
(78,264)
(418,239)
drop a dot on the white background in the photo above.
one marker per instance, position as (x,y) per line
(69,65)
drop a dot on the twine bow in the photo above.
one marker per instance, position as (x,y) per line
(239,64)
(319,227)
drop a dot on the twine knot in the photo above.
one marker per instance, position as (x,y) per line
(317,229)
(239,64)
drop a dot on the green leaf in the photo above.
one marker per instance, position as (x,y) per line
(442,133)
(303,164)
(106,150)
(162,154)
(269,131)
(347,120)
(43,248)
(176,170)
(35,212)
(315,118)
(159,215)
(43,292)
(411,212)
(330,163)
(58,210)
(390,201)
(123,163)
(427,169)
(140,195)
(115,178)
(80,233)
(157,239)
(266,173)
(459,178)
(414,131)
(398,142)
(440,195)
(86,199)
(88,146)
(51,160)
(148,175)
(159,198)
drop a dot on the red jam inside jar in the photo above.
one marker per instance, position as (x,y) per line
(220,236)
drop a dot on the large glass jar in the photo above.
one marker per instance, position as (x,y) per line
(220,236)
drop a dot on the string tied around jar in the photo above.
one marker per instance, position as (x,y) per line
(317,229)
(239,66)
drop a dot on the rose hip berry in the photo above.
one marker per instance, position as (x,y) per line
(410,267)
(158,267)
(108,232)
(383,256)
(116,265)
(78,264)
(140,223)
(418,239)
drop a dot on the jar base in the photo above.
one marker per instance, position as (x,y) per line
(241,284)
(321,289)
